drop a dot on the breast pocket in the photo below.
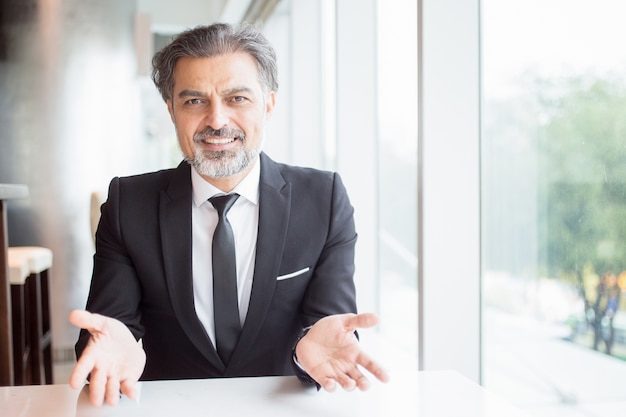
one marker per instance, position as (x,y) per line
(293,274)
(293,281)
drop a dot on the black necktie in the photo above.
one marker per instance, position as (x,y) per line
(225,305)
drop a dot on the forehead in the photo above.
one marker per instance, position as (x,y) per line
(217,71)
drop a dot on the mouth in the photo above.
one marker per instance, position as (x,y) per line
(220,137)
(218,140)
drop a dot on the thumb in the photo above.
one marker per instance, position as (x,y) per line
(362,321)
(86,320)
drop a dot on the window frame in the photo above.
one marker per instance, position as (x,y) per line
(449,186)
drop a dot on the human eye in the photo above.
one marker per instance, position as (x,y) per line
(238,99)
(193,102)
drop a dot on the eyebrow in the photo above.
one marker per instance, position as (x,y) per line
(227,92)
(236,90)
(191,93)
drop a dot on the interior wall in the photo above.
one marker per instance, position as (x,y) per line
(168,17)
(69,121)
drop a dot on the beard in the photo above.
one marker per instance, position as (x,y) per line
(222,164)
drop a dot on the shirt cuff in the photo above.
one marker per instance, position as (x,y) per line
(302,375)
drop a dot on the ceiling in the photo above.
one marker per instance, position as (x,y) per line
(168,17)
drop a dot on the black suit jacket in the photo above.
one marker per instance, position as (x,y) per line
(142,269)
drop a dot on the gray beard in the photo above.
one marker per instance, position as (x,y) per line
(222,164)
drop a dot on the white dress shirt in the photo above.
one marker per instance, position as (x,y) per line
(244,219)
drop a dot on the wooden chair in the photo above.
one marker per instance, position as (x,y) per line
(31,304)
(97,199)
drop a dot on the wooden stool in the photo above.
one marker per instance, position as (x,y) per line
(35,308)
(20,317)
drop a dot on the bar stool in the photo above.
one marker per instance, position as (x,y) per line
(34,305)
(20,317)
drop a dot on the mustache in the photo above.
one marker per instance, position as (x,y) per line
(224,132)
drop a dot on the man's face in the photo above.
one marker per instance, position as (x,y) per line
(219,110)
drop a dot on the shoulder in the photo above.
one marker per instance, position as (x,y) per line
(154,178)
(150,185)
(296,175)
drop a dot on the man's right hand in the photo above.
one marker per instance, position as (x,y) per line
(113,358)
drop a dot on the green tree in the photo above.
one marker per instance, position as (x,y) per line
(582,158)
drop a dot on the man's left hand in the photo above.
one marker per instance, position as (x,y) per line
(331,354)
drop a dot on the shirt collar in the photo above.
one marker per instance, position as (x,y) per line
(247,188)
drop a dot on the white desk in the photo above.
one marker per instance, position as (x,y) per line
(422,394)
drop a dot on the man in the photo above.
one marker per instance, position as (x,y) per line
(154,307)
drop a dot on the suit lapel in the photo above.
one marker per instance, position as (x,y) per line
(274,209)
(175,222)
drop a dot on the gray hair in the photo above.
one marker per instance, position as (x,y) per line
(214,40)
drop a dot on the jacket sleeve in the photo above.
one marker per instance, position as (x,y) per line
(115,290)
(331,289)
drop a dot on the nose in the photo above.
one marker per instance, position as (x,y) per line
(216,116)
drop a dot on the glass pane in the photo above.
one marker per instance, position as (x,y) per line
(394,224)
(554,205)
(397,186)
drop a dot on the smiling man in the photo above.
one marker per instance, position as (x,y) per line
(230,264)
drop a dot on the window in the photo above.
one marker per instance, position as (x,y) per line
(554,205)
(351,106)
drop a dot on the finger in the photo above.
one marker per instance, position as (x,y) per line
(363,320)
(80,318)
(372,367)
(97,386)
(129,388)
(359,321)
(363,384)
(359,380)
(81,370)
(345,381)
(83,319)
(112,393)
(328,384)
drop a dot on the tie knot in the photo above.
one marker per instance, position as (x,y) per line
(223,203)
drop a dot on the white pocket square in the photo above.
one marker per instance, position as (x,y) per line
(293,274)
